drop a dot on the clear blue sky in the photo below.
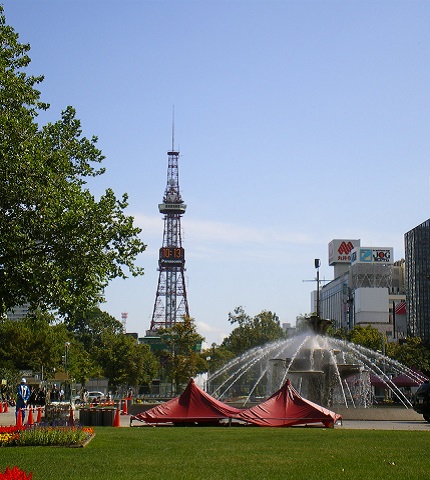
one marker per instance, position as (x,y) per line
(297,121)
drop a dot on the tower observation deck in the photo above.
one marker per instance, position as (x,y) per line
(171,302)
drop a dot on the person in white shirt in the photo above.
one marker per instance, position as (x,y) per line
(23,394)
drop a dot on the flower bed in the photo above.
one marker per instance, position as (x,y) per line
(15,474)
(37,435)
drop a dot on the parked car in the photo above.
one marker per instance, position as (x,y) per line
(421,401)
(91,397)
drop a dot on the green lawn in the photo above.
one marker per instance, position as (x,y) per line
(231,453)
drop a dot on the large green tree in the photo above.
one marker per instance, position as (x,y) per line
(119,357)
(180,359)
(59,245)
(124,362)
(252,331)
(32,344)
(92,326)
(411,352)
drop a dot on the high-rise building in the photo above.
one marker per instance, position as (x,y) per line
(19,312)
(417,257)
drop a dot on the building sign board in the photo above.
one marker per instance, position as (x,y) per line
(339,251)
(372,255)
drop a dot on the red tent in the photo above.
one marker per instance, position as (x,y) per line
(286,408)
(192,406)
(380,382)
(404,380)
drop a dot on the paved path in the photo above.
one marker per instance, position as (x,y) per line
(8,418)
(384,425)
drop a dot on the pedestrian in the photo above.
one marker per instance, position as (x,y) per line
(23,394)
(54,394)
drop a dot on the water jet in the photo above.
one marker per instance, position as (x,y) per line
(328,371)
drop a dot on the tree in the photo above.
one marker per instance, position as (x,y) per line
(251,332)
(368,337)
(59,246)
(124,362)
(119,357)
(412,353)
(181,359)
(32,344)
(91,326)
(215,357)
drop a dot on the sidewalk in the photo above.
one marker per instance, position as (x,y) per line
(7,419)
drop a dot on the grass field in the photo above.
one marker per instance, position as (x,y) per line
(231,453)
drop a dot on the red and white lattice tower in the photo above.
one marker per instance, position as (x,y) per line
(171,304)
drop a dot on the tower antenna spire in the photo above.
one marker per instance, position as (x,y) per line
(173,128)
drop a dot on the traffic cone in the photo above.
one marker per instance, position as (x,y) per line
(19,418)
(71,418)
(116,420)
(1,407)
(30,420)
(39,414)
(6,408)
(125,408)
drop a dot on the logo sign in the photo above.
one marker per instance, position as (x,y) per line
(365,255)
(372,255)
(382,255)
(339,251)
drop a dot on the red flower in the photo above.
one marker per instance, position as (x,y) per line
(15,474)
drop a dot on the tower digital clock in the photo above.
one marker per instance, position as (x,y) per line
(171,256)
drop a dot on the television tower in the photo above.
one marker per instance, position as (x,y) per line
(171,302)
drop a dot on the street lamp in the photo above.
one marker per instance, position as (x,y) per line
(67,386)
(317,266)
(66,355)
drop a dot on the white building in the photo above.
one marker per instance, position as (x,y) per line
(366,289)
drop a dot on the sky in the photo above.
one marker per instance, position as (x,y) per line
(298,122)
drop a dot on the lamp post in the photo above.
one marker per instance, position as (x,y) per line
(66,355)
(67,386)
(317,266)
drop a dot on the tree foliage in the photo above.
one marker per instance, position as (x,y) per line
(368,337)
(124,361)
(32,343)
(252,331)
(412,352)
(181,359)
(95,348)
(59,245)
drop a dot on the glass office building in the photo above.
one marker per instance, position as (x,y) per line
(417,256)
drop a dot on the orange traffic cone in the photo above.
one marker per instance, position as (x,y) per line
(116,420)
(71,418)
(39,414)
(30,420)
(6,408)
(125,408)
(19,417)
(1,407)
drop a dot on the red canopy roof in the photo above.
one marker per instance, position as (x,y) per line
(404,380)
(286,408)
(192,406)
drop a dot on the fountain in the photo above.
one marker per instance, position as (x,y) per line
(325,370)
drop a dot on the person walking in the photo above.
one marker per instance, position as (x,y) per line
(23,394)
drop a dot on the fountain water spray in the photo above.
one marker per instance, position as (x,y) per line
(327,371)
